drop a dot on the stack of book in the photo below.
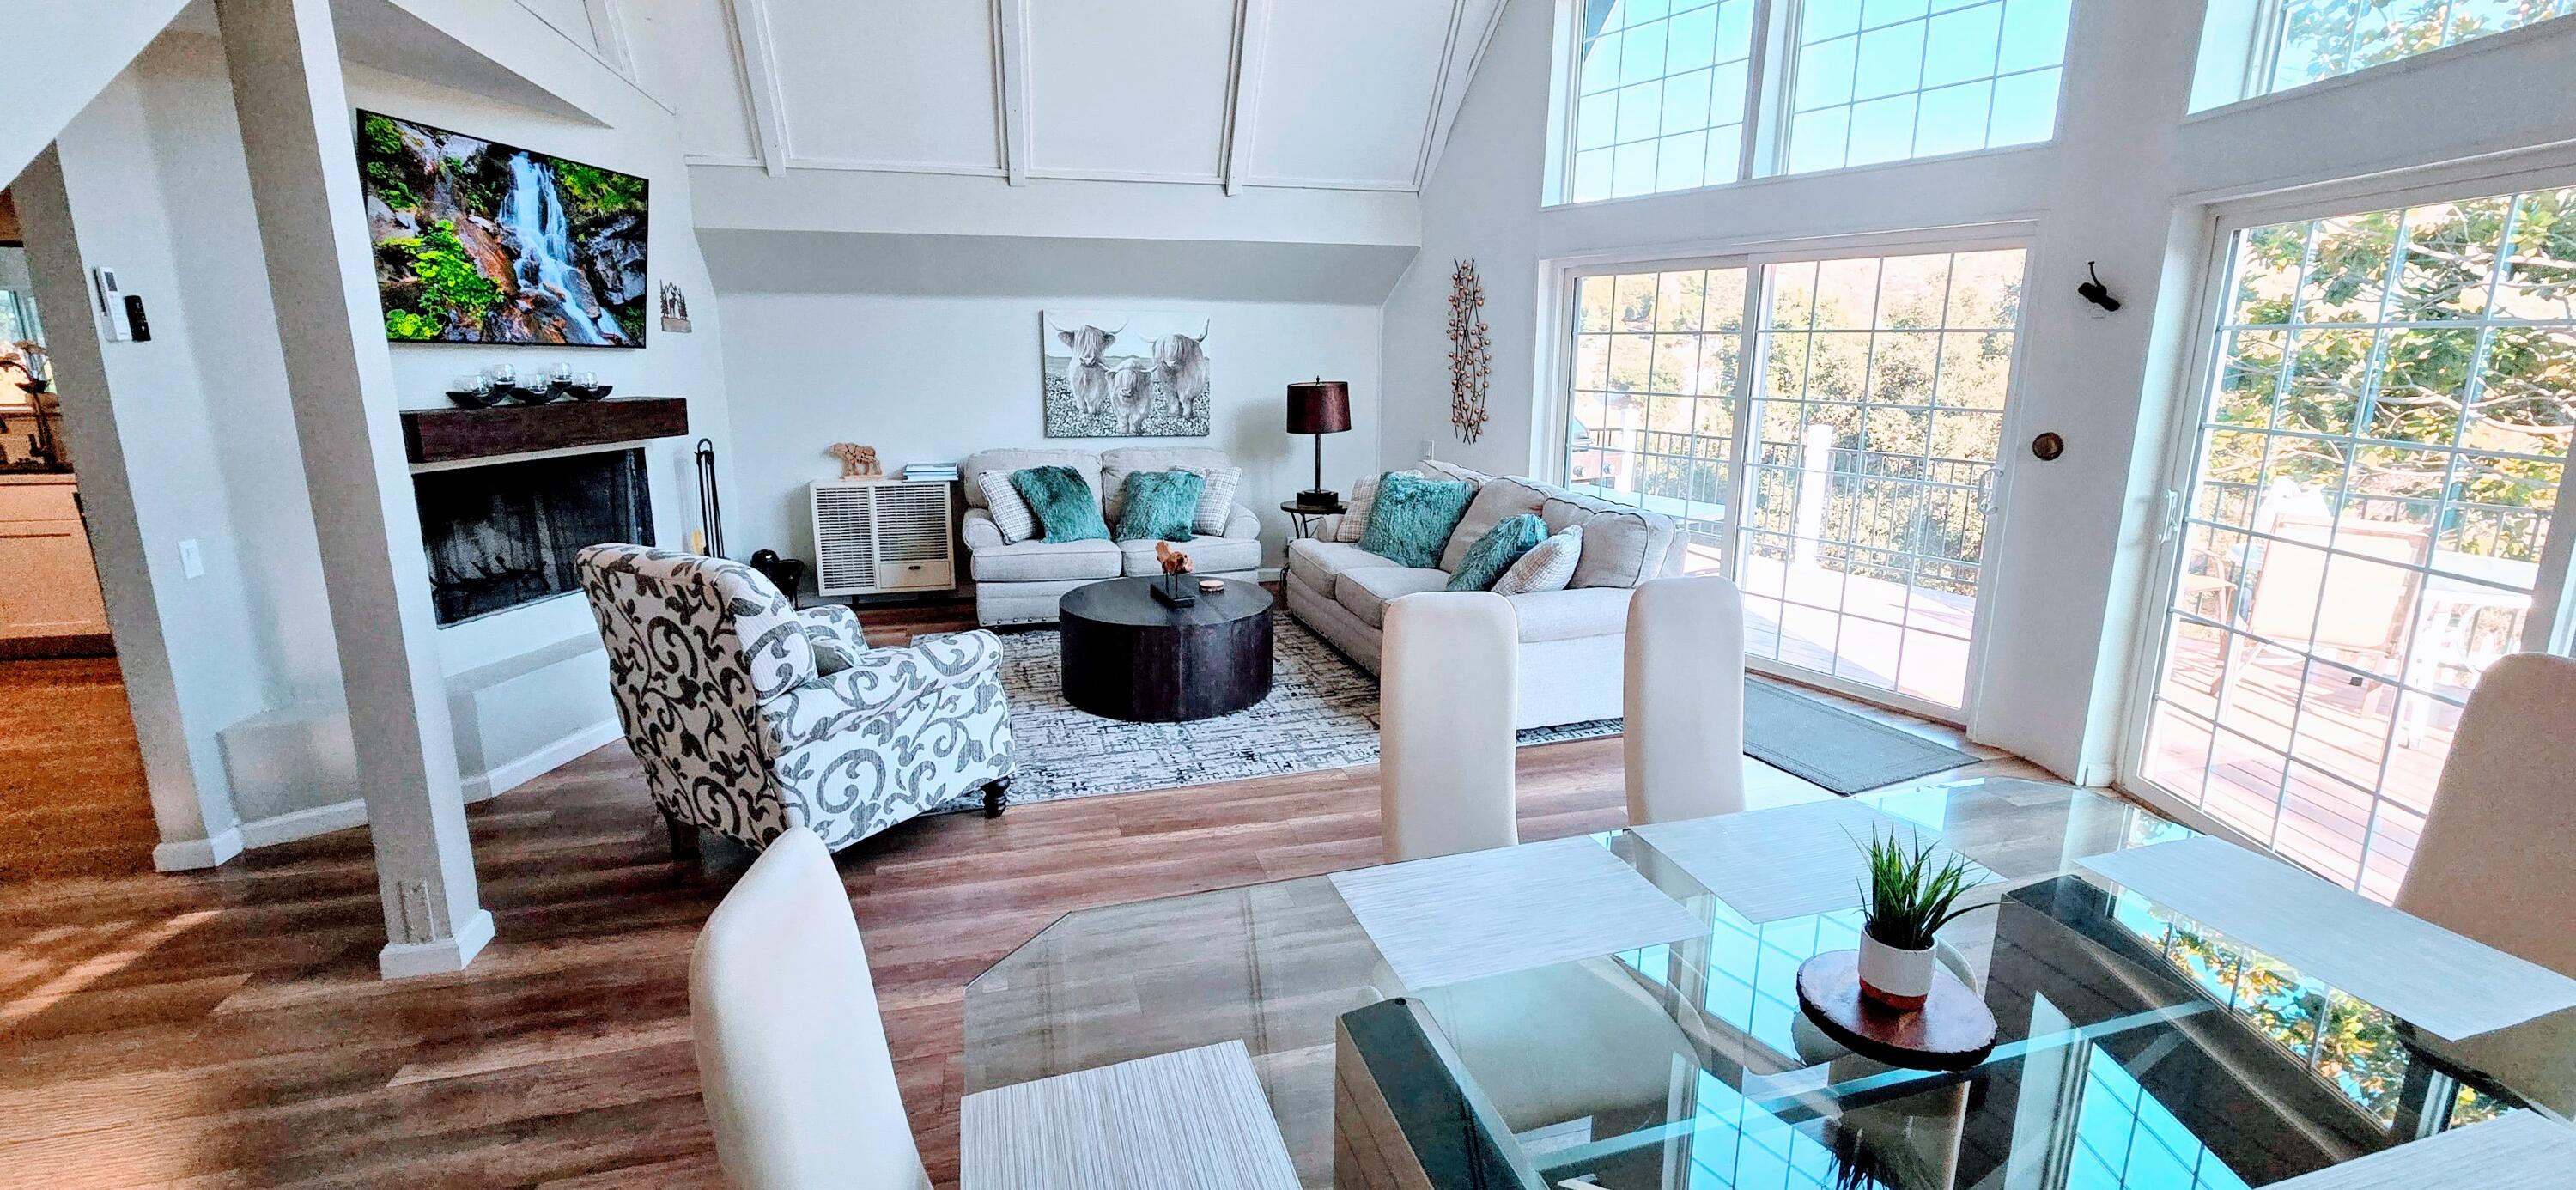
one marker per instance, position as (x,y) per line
(929,472)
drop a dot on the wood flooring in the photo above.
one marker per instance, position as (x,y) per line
(227,1029)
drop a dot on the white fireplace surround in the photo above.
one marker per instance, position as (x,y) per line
(527,690)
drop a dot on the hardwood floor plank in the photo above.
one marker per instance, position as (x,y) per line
(227,1028)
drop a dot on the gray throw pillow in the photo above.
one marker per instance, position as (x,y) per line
(1363,499)
(1011,512)
(1216,501)
(1548,567)
(1621,547)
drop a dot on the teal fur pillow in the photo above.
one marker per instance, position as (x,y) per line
(1413,517)
(1159,505)
(1495,552)
(1067,511)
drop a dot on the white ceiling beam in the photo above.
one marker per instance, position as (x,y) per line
(1011,86)
(1243,101)
(1469,33)
(608,31)
(768,103)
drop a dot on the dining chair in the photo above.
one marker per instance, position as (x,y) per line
(2492,861)
(1447,697)
(1683,744)
(2375,579)
(792,1058)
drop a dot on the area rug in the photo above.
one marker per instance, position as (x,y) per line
(1842,751)
(1321,714)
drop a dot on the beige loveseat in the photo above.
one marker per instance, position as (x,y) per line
(1022,582)
(1573,642)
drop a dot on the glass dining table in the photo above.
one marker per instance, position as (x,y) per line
(2135,1048)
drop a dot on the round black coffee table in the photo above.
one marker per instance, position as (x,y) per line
(1127,656)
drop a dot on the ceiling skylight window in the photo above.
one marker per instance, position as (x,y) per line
(1667,95)
(2257,47)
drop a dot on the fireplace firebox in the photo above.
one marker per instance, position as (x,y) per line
(505,534)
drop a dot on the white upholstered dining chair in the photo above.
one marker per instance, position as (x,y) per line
(792,1057)
(2494,860)
(1683,743)
(1447,699)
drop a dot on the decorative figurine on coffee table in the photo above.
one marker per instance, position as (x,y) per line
(1174,588)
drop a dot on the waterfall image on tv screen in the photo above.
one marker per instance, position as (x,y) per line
(478,242)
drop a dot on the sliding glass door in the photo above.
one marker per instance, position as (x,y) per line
(1860,444)
(2365,518)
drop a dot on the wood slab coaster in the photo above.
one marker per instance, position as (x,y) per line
(1952,1031)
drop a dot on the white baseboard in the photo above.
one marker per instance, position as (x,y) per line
(340,816)
(189,855)
(304,824)
(404,960)
(1272,574)
(502,779)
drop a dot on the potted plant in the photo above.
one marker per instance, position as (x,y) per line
(1905,902)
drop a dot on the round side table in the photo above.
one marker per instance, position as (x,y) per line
(1307,517)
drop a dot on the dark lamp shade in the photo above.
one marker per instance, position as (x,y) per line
(1319,407)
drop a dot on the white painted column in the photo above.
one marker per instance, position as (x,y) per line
(1815,477)
(295,122)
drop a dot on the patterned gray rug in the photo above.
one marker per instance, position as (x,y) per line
(1321,714)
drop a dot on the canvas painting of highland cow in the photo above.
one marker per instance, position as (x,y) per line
(478,242)
(1124,375)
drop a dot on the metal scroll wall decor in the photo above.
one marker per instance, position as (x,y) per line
(1470,352)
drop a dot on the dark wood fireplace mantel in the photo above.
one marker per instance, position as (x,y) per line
(456,435)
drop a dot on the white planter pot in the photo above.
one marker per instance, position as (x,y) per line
(1893,977)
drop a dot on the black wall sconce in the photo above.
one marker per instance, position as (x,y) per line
(2095,292)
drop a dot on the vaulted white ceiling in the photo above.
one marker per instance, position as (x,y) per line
(1314,94)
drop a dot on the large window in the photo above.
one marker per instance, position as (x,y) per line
(1860,447)
(1678,94)
(2256,47)
(2367,519)
(1661,96)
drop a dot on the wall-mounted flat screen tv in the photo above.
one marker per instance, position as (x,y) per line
(478,242)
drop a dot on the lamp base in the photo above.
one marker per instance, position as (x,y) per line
(1317,498)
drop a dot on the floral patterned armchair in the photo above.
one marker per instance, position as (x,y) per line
(750,716)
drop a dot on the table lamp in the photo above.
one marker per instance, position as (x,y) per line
(1319,407)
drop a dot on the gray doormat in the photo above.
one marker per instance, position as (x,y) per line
(1842,751)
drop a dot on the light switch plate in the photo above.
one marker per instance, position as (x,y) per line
(191,562)
(111,304)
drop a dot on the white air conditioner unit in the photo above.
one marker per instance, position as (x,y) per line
(874,536)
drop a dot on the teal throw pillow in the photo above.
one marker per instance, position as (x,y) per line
(1067,511)
(1159,505)
(1495,552)
(1413,517)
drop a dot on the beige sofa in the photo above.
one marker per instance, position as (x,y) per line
(1573,642)
(1022,582)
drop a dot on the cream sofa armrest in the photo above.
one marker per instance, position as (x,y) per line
(981,532)
(1241,523)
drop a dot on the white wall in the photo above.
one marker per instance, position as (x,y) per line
(161,191)
(61,56)
(2128,181)
(195,662)
(927,378)
(670,364)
